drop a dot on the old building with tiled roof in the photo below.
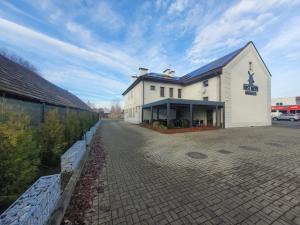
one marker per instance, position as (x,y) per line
(17,81)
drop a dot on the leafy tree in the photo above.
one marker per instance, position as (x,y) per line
(18,154)
(72,128)
(28,151)
(51,139)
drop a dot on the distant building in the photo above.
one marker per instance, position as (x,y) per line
(286,105)
(232,91)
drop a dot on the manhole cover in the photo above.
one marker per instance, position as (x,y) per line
(196,155)
(223,151)
(250,148)
(274,144)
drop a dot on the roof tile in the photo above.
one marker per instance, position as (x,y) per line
(18,80)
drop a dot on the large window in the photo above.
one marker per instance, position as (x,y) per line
(152,88)
(179,93)
(171,92)
(162,91)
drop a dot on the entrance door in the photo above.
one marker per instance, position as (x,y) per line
(209,117)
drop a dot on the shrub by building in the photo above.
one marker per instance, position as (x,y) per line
(38,122)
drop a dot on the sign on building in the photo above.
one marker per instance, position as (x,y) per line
(250,88)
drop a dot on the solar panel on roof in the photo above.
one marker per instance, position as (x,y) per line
(206,70)
(212,65)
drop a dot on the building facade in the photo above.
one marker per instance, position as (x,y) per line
(232,91)
(285,105)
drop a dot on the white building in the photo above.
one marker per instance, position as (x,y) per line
(286,101)
(285,105)
(232,91)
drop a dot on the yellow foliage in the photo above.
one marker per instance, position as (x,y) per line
(18,153)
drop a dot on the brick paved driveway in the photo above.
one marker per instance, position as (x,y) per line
(248,176)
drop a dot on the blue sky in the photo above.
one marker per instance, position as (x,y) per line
(92,48)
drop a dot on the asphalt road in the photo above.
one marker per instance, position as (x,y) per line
(289,124)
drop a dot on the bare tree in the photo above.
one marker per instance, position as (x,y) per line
(18,59)
(116,111)
(91,105)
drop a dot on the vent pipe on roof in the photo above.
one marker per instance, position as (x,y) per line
(169,73)
(166,71)
(172,73)
(142,71)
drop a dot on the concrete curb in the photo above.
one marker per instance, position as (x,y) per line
(62,205)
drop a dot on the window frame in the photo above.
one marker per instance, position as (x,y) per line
(162,92)
(171,92)
(179,93)
(152,87)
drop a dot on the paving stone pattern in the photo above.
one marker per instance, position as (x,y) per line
(149,179)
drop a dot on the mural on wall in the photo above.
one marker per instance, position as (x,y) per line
(250,88)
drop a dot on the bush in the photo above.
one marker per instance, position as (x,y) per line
(19,155)
(27,152)
(51,139)
(72,128)
(163,127)
(185,123)
(156,124)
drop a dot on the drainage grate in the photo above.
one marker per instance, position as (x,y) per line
(196,155)
(274,144)
(250,148)
(223,151)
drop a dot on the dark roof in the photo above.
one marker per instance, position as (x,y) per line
(19,81)
(215,66)
(209,70)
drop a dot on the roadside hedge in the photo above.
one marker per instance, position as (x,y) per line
(27,151)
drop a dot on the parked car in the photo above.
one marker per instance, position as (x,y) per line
(286,116)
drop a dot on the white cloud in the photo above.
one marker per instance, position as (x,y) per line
(106,17)
(17,10)
(85,82)
(158,4)
(178,6)
(238,24)
(29,38)
(286,40)
(81,32)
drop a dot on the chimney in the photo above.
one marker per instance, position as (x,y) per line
(142,71)
(166,72)
(169,73)
(172,73)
